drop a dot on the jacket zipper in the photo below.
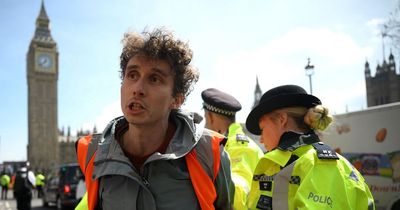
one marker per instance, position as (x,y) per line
(143,175)
(145,181)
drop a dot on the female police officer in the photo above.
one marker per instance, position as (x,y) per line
(299,171)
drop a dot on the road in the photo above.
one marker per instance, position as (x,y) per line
(11,204)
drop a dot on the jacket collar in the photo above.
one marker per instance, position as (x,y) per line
(289,144)
(234,129)
(186,136)
(290,140)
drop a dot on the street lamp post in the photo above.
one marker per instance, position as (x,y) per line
(309,72)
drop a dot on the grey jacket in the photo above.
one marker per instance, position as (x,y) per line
(163,181)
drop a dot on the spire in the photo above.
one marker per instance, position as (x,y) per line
(367,70)
(366,64)
(42,32)
(43,14)
(69,131)
(378,69)
(391,57)
(383,44)
(392,63)
(258,89)
(257,94)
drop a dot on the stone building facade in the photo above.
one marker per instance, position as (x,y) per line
(384,87)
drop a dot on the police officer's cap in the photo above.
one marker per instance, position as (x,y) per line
(220,102)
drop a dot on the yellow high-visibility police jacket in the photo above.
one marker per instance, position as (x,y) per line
(40,180)
(244,155)
(303,173)
(83,204)
(5,180)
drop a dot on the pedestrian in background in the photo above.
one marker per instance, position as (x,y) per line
(155,156)
(4,182)
(220,115)
(299,171)
(24,183)
(40,181)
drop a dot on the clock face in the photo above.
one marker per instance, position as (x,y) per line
(44,61)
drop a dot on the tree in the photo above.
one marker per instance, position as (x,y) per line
(391,28)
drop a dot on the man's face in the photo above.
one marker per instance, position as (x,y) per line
(146,91)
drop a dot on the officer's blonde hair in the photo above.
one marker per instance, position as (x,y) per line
(315,118)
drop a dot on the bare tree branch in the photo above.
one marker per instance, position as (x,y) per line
(391,29)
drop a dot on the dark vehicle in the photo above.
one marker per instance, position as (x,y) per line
(60,187)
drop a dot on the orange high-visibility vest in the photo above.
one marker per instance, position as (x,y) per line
(202,183)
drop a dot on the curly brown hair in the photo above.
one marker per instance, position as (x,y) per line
(161,44)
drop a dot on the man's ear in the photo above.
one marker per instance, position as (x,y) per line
(210,116)
(178,101)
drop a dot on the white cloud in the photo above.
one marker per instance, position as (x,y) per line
(375,22)
(338,80)
(341,99)
(108,113)
(376,27)
(337,56)
(336,47)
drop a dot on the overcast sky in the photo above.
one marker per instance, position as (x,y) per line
(233,41)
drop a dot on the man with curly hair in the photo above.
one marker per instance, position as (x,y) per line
(155,156)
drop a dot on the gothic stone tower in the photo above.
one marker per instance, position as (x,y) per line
(257,94)
(42,76)
(384,88)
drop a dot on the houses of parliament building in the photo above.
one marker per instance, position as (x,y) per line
(49,146)
(384,87)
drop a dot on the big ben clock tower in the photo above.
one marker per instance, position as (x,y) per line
(42,76)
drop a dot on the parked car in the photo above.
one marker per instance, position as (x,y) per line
(60,187)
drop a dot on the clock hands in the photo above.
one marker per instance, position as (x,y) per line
(44,61)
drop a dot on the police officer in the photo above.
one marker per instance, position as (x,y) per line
(24,183)
(220,110)
(299,171)
(40,181)
(4,182)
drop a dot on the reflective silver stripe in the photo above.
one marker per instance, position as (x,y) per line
(370,204)
(205,155)
(280,192)
(240,181)
(92,148)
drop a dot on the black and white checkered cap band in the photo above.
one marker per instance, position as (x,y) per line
(218,110)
